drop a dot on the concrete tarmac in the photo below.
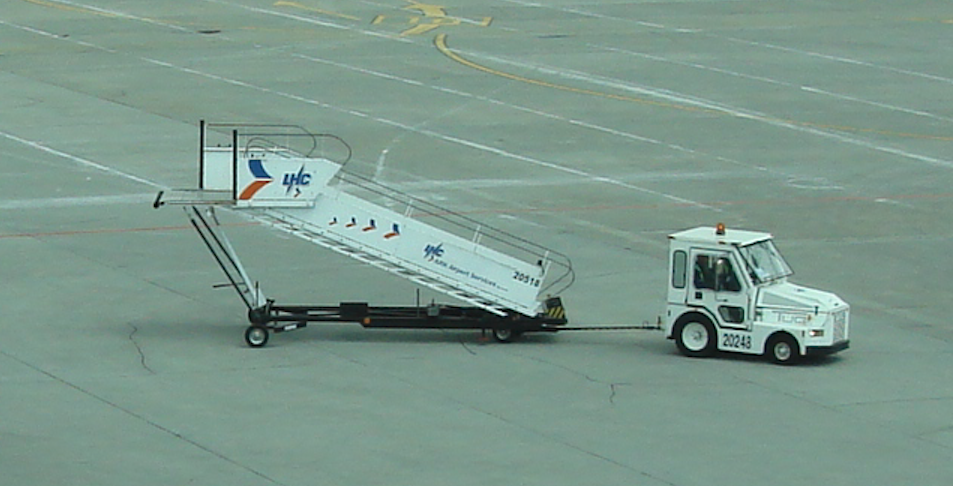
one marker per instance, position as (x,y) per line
(596,128)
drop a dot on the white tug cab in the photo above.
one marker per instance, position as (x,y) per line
(728,291)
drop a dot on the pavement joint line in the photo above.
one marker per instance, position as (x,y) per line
(141,418)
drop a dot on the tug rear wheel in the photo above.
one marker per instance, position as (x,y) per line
(256,336)
(695,336)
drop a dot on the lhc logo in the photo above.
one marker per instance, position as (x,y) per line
(293,182)
(431,252)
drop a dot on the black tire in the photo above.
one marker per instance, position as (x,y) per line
(782,349)
(504,335)
(695,336)
(256,336)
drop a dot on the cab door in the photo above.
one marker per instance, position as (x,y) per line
(717,285)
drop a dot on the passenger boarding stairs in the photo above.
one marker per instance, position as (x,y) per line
(269,174)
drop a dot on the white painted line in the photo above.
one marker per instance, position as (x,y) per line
(768,80)
(116,13)
(69,202)
(79,160)
(877,104)
(691,101)
(841,59)
(313,20)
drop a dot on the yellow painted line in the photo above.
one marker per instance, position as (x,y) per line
(435,22)
(876,131)
(282,3)
(922,19)
(427,10)
(69,8)
(440,41)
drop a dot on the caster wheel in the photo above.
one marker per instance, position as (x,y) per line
(256,336)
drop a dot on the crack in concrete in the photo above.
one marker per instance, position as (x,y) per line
(142,355)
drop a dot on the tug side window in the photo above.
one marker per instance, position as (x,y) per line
(679,264)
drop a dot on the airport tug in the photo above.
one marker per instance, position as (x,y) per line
(728,290)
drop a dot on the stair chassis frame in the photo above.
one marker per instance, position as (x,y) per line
(278,318)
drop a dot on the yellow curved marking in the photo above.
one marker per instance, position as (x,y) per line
(426,9)
(440,41)
(69,8)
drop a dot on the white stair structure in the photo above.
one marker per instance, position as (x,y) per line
(269,173)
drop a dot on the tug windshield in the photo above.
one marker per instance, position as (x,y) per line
(764,262)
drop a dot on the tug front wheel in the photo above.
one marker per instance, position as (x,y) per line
(782,349)
(256,336)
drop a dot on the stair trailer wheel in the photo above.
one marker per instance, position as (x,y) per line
(256,336)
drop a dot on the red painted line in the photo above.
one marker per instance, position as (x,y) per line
(46,234)
(561,209)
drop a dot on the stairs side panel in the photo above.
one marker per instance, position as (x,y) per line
(423,249)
